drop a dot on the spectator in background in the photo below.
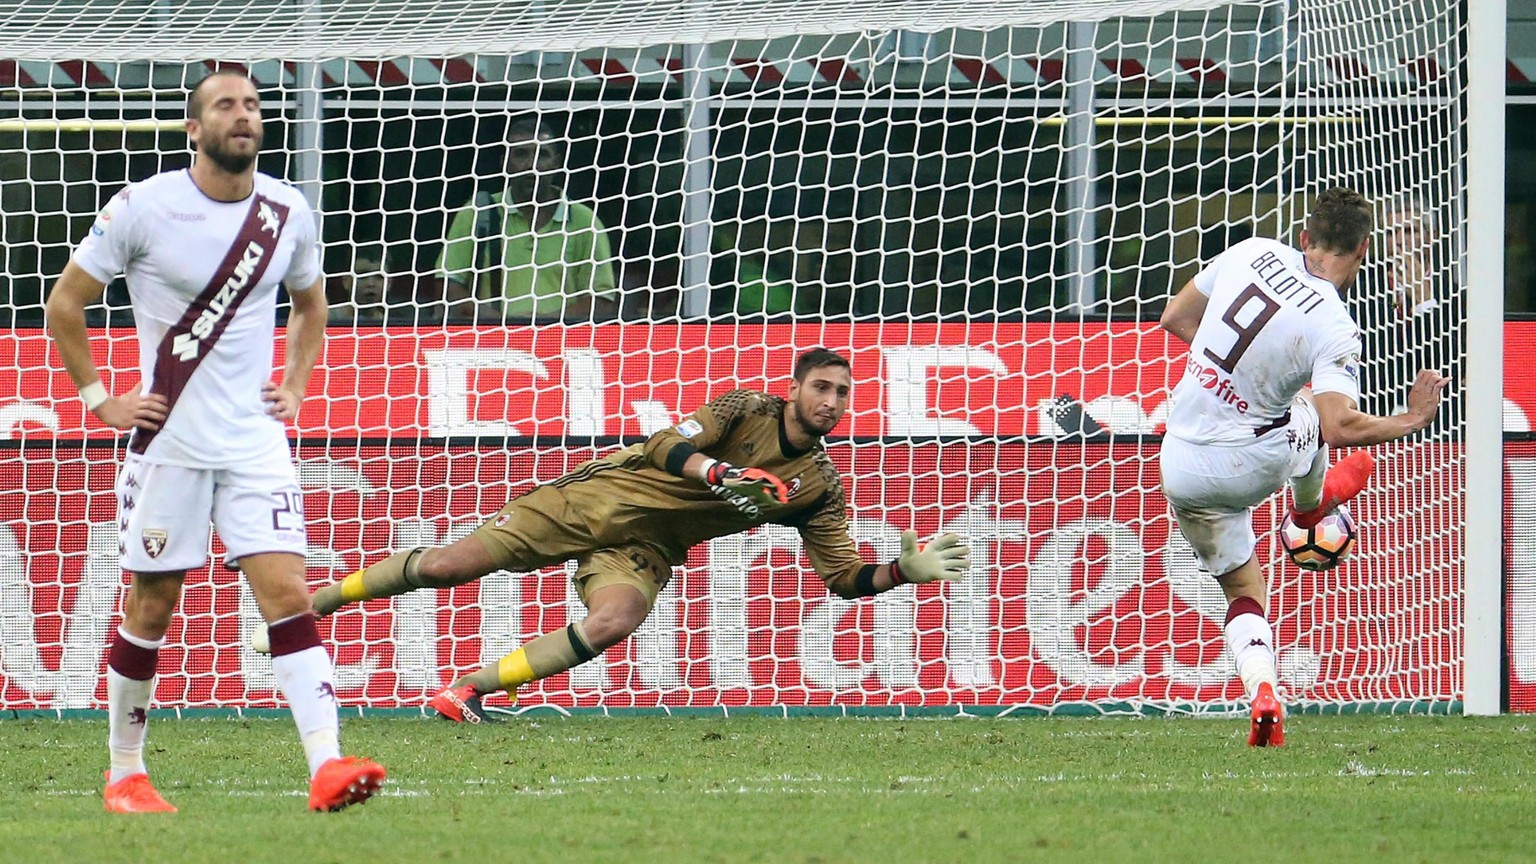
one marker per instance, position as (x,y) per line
(528,251)
(1409,311)
(362,295)
(750,285)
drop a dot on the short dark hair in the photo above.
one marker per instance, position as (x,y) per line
(529,126)
(819,358)
(1340,221)
(195,96)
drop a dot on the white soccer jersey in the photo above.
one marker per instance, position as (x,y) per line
(1270,328)
(202,277)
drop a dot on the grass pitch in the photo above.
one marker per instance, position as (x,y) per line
(1361,788)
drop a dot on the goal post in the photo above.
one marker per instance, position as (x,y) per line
(983,204)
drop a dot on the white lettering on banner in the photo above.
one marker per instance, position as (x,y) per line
(1522,561)
(501,615)
(585,409)
(1202,592)
(730,558)
(970,636)
(21,411)
(907,371)
(1515,419)
(1122,414)
(895,633)
(656,642)
(449,410)
(652,416)
(86,623)
(414,614)
(1052,618)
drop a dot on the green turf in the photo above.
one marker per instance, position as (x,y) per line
(1351,788)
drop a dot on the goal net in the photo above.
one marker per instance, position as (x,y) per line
(984,205)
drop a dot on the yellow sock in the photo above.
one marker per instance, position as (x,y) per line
(513,671)
(352,589)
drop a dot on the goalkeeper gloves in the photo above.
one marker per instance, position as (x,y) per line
(754,484)
(946,557)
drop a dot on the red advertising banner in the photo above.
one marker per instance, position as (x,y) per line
(629,379)
(1080,590)
(987,379)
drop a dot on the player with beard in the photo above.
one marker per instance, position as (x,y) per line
(204,251)
(630,517)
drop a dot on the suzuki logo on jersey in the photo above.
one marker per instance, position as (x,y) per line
(270,222)
(186,345)
(1211,380)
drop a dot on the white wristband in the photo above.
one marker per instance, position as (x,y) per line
(704,469)
(93,395)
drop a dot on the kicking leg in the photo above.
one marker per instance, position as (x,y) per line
(1251,641)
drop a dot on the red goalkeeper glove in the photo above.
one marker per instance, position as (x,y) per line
(754,484)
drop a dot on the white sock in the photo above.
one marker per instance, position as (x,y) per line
(1307,489)
(1251,641)
(128,714)
(307,680)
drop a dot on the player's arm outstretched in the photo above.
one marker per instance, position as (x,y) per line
(1345,425)
(676,450)
(836,557)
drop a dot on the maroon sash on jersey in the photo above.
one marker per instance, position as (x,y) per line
(186,344)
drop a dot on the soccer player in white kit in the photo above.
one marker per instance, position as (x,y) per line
(204,251)
(1262,321)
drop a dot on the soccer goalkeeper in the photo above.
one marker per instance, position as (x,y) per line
(628,517)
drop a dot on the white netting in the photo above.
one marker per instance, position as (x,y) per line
(242,31)
(987,217)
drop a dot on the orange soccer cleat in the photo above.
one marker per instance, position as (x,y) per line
(135,794)
(1343,482)
(344,781)
(461,704)
(1268,726)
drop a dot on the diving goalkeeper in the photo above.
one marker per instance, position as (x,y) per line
(628,517)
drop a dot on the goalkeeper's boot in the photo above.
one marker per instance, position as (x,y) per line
(462,704)
(343,781)
(1343,482)
(1267,729)
(135,794)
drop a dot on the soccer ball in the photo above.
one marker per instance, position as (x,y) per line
(1323,547)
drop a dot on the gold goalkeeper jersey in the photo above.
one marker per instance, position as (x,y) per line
(630,496)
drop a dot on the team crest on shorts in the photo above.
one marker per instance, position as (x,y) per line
(154,541)
(794,487)
(503,519)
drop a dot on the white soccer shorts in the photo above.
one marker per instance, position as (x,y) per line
(1213,489)
(163,513)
